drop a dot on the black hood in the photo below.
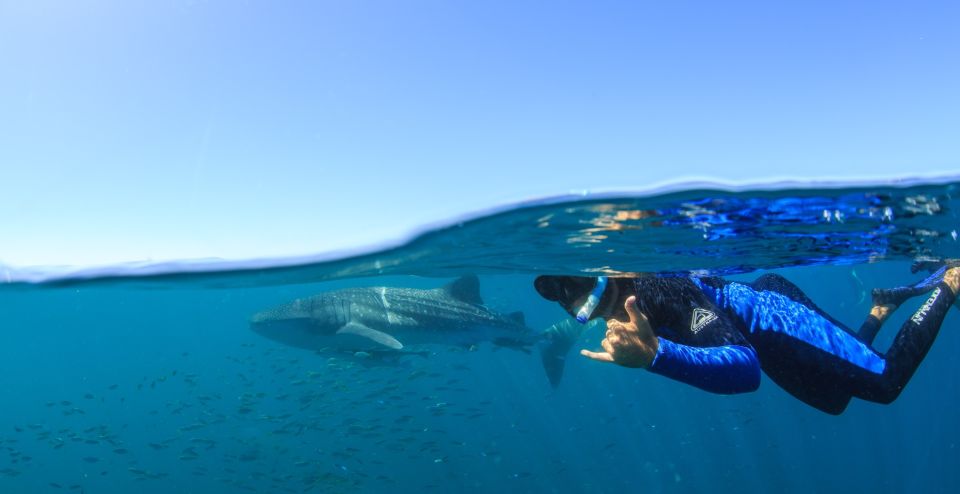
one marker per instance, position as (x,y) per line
(564,289)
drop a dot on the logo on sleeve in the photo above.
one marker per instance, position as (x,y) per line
(701,317)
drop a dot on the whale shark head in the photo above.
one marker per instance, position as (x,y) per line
(289,332)
(292,324)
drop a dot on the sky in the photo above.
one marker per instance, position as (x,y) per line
(137,130)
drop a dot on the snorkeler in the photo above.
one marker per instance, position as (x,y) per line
(717,334)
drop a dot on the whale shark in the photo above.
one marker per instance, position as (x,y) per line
(396,319)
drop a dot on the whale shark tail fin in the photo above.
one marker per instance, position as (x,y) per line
(557,341)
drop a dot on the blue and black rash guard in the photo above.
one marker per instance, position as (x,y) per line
(717,335)
(700,344)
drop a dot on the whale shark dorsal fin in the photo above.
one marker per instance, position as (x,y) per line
(465,288)
(371,334)
(518,318)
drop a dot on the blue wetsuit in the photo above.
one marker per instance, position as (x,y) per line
(717,335)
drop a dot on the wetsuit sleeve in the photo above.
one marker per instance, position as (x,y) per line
(727,369)
(699,344)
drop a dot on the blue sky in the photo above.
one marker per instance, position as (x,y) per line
(185,129)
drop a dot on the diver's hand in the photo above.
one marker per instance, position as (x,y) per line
(630,344)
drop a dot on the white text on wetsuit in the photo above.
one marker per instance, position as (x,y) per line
(922,312)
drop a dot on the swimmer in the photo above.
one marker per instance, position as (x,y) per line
(717,334)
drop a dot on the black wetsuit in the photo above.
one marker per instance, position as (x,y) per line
(717,335)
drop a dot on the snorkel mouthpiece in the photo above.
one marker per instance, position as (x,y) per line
(583,315)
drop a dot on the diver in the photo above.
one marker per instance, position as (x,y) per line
(717,334)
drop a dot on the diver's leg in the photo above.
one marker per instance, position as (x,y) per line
(809,372)
(912,343)
(887,300)
(775,283)
(871,325)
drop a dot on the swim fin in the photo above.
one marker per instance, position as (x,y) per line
(898,295)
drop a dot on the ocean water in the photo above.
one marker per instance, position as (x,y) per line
(148,379)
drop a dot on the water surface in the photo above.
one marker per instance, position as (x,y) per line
(148,378)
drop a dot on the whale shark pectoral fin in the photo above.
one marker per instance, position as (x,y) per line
(371,334)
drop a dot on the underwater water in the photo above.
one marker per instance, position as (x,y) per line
(149,379)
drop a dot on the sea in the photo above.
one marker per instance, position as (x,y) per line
(146,378)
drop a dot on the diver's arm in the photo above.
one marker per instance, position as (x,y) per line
(727,369)
(711,353)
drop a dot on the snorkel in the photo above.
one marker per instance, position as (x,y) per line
(583,315)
